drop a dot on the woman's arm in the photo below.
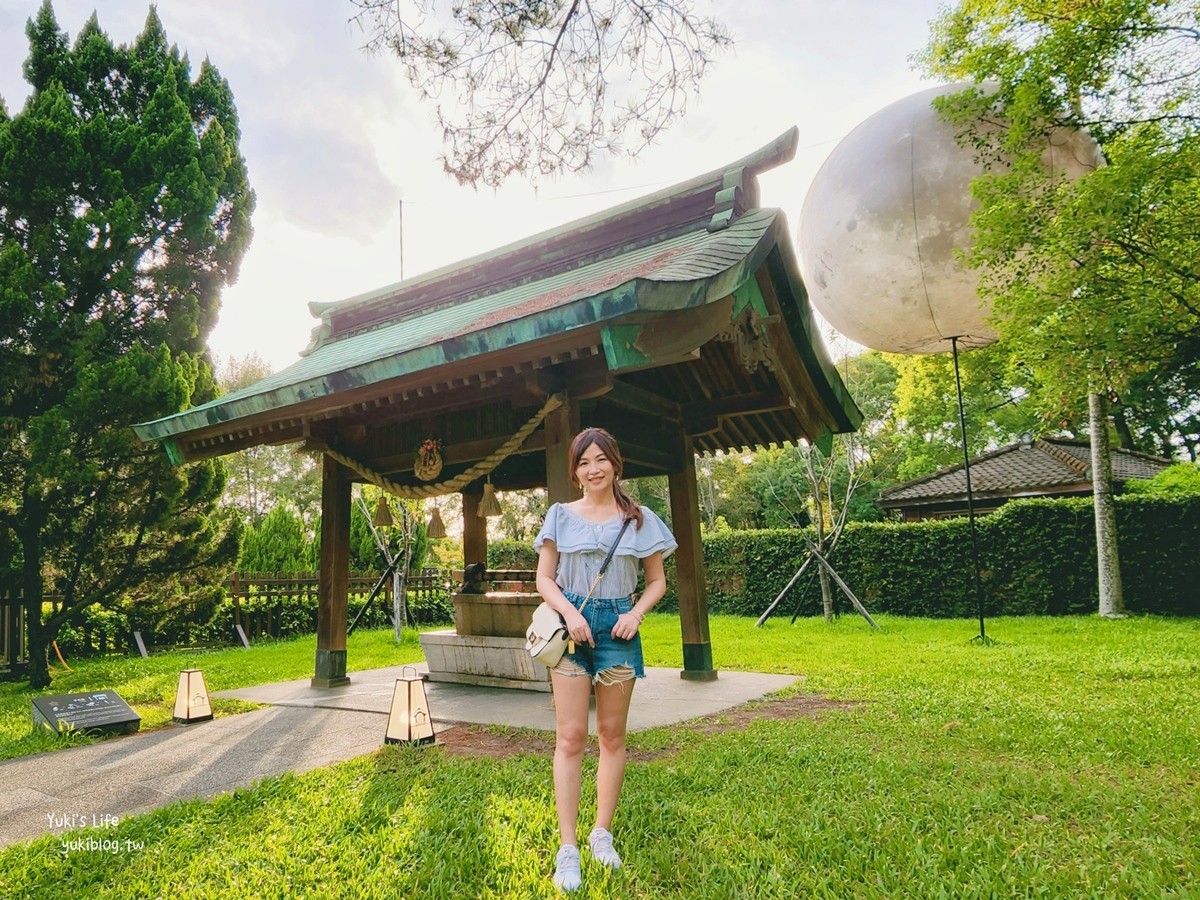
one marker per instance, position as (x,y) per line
(547,587)
(656,586)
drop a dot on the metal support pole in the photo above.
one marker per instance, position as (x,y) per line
(962,425)
(387,573)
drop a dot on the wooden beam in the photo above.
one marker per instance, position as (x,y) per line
(792,375)
(475,538)
(689,568)
(333,579)
(457,454)
(195,450)
(654,458)
(561,426)
(740,405)
(439,389)
(705,417)
(589,378)
(638,399)
(535,386)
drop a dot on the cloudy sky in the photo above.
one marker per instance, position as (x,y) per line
(335,139)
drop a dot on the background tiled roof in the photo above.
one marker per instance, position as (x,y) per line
(1049,465)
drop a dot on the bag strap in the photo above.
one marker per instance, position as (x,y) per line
(604,565)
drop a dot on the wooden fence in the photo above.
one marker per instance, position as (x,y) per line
(264,604)
(12,638)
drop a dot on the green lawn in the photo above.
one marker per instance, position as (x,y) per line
(148,685)
(1061,762)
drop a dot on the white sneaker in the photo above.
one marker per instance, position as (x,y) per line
(601,843)
(567,876)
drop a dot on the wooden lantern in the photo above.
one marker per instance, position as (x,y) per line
(191,698)
(409,721)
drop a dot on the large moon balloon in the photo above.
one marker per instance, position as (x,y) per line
(882,221)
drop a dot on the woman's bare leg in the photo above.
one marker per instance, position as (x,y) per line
(571,697)
(612,719)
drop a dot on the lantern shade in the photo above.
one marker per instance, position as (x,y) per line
(436,527)
(489,506)
(191,698)
(383,514)
(409,721)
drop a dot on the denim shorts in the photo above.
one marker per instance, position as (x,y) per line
(601,615)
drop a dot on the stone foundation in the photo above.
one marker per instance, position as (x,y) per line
(488,660)
(496,613)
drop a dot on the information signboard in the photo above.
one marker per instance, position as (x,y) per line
(101,711)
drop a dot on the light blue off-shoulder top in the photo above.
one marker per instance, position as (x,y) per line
(583,544)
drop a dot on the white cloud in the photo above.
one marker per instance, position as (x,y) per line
(334,139)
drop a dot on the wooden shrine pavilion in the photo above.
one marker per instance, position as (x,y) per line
(678,321)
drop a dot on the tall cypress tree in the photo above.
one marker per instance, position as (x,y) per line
(124,210)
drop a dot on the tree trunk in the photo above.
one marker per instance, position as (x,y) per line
(400,579)
(819,524)
(826,591)
(399,609)
(1112,600)
(1124,434)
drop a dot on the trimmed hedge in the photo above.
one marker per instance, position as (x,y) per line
(1036,557)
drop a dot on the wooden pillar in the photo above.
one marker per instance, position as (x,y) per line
(561,426)
(689,569)
(334,576)
(475,540)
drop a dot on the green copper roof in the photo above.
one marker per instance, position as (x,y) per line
(684,248)
(688,270)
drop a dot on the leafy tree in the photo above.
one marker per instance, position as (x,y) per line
(124,209)
(1097,281)
(996,407)
(364,548)
(535,88)
(264,477)
(403,545)
(1158,412)
(732,488)
(366,552)
(1112,294)
(771,488)
(278,543)
(653,492)
(522,515)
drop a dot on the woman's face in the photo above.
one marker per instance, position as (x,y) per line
(595,472)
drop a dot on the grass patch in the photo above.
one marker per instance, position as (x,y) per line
(148,685)
(1060,762)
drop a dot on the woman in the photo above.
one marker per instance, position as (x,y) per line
(571,548)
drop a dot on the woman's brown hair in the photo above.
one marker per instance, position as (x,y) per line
(608,446)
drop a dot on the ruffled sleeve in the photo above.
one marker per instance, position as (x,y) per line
(573,534)
(549,528)
(653,537)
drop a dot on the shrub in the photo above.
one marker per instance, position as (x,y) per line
(1180,480)
(94,629)
(511,555)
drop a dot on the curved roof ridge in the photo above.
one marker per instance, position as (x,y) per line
(688,206)
(1050,447)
